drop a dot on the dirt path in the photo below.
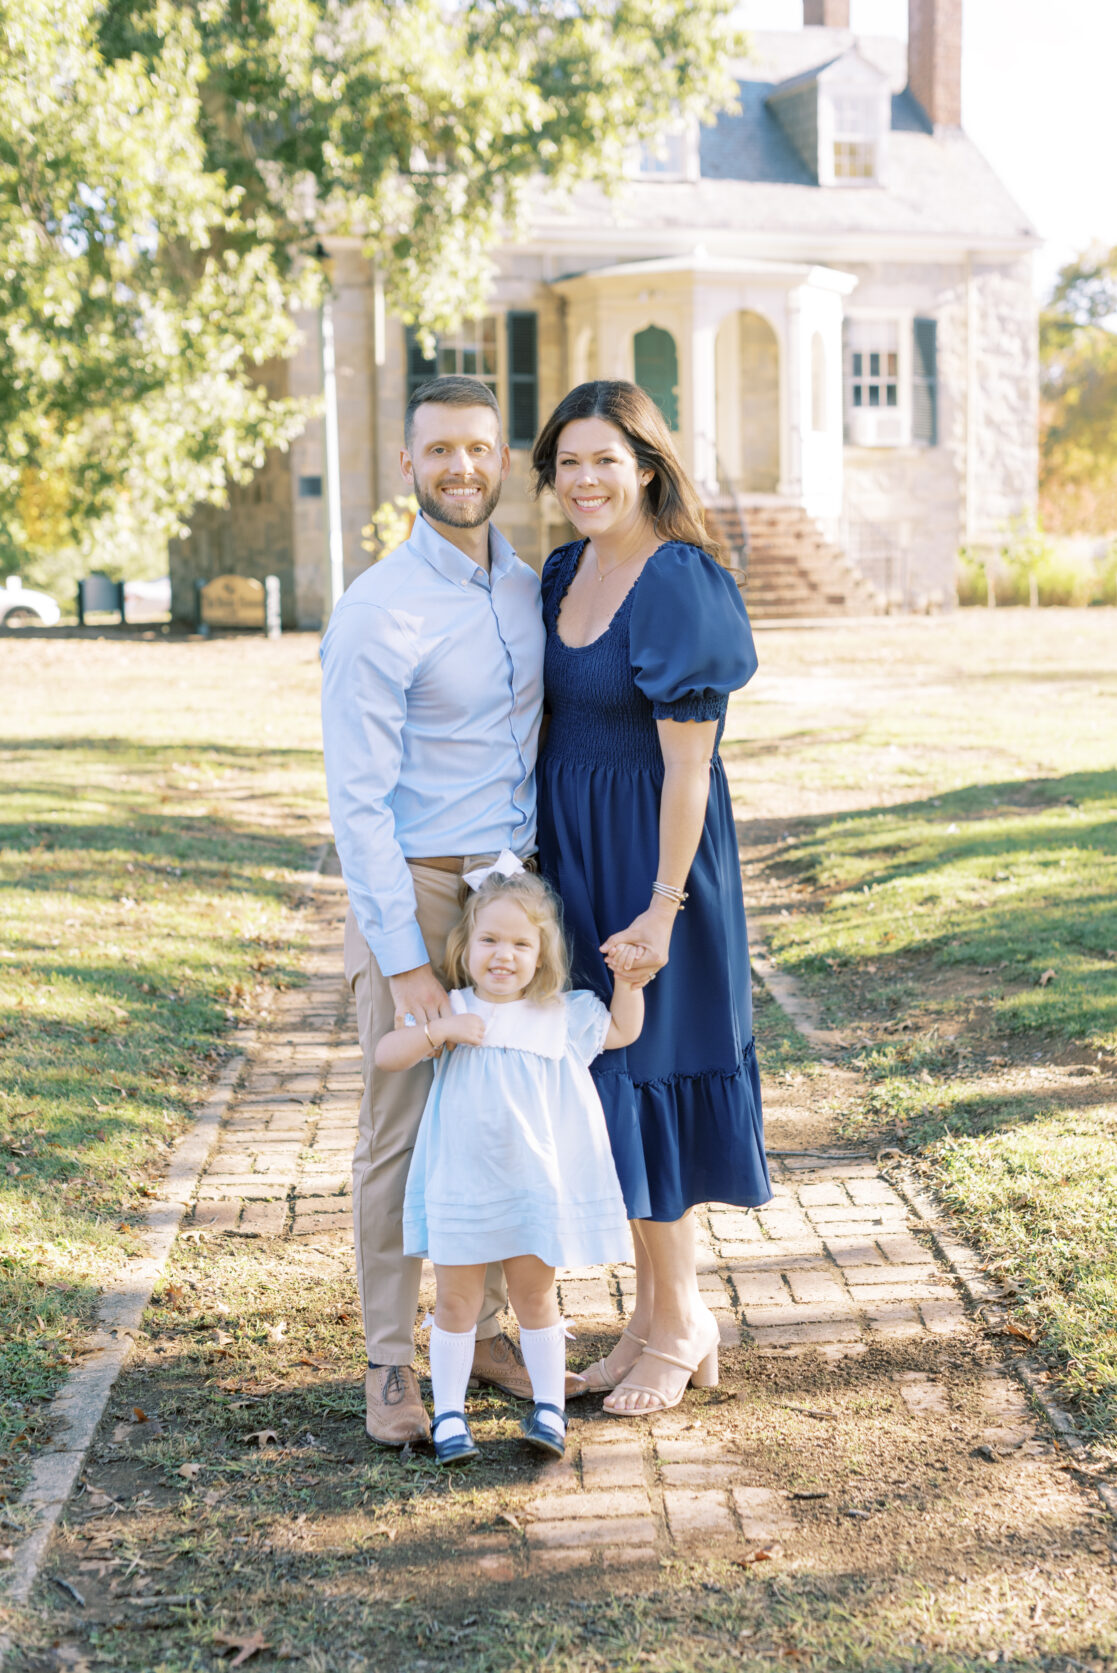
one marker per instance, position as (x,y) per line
(867,1489)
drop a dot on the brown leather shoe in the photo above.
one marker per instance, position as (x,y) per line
(394,1413)
(497,1360)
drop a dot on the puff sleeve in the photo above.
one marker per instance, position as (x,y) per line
(587,1023)
(690,642)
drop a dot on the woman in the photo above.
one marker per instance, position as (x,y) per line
(646,637)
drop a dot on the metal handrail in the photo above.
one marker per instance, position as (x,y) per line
(727,491)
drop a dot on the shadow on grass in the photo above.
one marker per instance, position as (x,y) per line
(1034,889)
(174,753)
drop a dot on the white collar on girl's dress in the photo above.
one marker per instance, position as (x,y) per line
(518,1025)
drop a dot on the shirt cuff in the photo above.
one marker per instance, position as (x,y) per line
(404,949)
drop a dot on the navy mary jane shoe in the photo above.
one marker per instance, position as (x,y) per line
(455,1449)
(542,1435)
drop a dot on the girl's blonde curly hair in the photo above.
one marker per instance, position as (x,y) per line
(540,905)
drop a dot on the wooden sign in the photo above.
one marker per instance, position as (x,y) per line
(231,601)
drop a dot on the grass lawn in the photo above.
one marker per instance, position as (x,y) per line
(157,806)
(947,870)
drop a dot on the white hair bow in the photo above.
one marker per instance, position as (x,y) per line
(505,865)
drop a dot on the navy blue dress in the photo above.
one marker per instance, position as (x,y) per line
(683,1103)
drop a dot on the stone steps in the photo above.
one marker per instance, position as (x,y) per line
(791,568)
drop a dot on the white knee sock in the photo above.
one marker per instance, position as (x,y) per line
(544,1354)
(451,1354)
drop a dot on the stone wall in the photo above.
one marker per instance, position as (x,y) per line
(923,502)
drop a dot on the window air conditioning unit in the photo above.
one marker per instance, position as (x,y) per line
(875,427)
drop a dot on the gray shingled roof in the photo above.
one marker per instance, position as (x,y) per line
(752,179)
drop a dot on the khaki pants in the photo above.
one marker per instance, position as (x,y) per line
(391,1109)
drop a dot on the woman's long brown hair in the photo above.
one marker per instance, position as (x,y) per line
(674,506)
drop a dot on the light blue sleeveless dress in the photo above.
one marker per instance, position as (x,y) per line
(513,1155)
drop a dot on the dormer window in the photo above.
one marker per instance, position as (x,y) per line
(671,156)
(838,118)
(856,125)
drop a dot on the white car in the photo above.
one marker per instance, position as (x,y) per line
(22,606)
(143,599)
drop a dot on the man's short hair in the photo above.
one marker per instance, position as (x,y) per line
(456,391)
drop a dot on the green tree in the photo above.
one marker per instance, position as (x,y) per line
(165,169)
(1078,434)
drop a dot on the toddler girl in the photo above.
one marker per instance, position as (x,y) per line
(512,1161)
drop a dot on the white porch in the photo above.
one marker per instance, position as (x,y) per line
(755,351)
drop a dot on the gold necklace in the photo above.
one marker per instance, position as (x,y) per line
(613,570)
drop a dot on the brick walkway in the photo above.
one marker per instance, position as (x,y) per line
(829,1266)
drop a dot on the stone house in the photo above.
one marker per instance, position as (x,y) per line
(828,292)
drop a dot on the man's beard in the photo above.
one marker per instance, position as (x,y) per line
(459,517)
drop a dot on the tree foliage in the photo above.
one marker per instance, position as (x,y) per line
(1078,354)
(166,168)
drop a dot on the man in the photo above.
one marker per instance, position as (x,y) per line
(431,701)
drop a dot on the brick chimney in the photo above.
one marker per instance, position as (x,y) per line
(830,14)
(935,59)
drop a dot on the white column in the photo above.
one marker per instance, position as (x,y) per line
(702,389)
(793,361)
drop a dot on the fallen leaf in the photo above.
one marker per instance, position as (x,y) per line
(194,1234)
(1048,976)
(276,1332)
(189,1471)
(764,1554)
(7,1554)
(174,1294)
(1014,1329)
(506,1516)
(222,1337)
(987,1452)
(263,1437)
(315,1364)
(245,1647)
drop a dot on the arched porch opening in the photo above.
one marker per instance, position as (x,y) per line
(748,402)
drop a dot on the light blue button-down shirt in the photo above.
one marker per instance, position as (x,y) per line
(432,693)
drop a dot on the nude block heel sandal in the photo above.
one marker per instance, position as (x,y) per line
(704,1374)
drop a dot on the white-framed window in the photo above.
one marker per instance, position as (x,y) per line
(855,133)
(471,351)
(499,351)
(877,380)
(672,155)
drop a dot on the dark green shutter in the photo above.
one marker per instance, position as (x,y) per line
(925,383)
(419,368)
(523,378)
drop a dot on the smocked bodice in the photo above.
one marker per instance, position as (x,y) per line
(598,715)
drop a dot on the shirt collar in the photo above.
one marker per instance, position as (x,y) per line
(450,561)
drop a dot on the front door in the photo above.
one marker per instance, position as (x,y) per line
(656,366)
